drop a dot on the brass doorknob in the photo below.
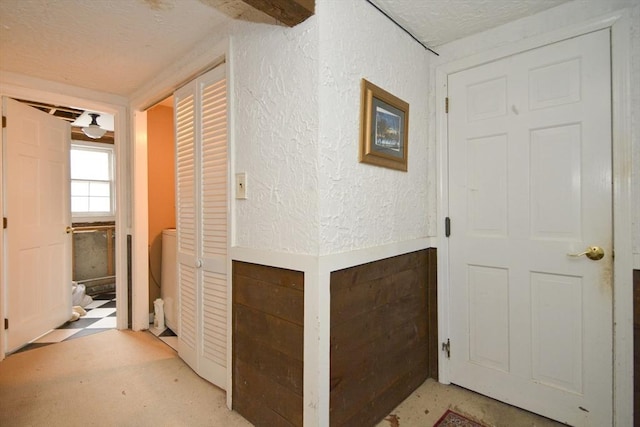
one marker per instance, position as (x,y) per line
(593,253)
(68,230)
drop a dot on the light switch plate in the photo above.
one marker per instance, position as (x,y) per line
(241,185)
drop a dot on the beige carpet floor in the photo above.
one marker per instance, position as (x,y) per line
(114,378)
(124,378)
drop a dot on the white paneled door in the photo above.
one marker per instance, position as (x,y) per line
(38,210)
(529,191)
(202,212)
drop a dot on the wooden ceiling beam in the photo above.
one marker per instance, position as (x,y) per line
(289,12)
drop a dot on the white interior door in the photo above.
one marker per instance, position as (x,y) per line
(202,212)
(38,212)
(530,183)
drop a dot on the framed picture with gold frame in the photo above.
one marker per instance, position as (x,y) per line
(384,128)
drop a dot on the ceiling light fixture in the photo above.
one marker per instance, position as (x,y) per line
(94,130)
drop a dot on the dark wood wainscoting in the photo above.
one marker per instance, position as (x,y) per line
(268,328)
(383,335)
(636,347)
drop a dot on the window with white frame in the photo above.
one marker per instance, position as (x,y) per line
(92,186)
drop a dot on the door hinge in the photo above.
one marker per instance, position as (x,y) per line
(446,105)
(4,122)
(4,222)
(6,324)
(446,346)
(447,227)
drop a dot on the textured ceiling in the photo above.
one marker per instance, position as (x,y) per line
(436,22)
(113,46)
(116,46)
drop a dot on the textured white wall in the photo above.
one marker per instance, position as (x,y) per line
(296,133)
(275,122)
(362,205)
(574,12)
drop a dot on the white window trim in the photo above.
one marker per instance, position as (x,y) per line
(98,217)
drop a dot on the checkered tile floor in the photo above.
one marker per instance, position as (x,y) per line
(101,316)
(166,335)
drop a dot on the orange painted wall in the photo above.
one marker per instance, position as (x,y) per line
(162,205)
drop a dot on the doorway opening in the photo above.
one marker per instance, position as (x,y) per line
(161,160)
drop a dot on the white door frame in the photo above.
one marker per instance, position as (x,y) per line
(88,100)
(619,24)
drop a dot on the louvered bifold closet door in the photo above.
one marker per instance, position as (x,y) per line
(213,212)
(187,223)
(202,213)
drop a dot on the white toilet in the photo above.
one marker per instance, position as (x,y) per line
(169,282)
